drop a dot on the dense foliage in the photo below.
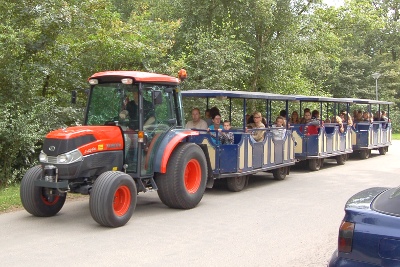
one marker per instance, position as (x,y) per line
(49,48)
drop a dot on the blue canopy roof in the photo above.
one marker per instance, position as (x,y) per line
(209,93)
(235,94)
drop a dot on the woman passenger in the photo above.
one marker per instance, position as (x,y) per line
(367,117)
(294,118)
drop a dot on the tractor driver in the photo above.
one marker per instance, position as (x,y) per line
(132,108)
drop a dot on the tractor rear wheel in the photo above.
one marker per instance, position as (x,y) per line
(237,184)
(113,199)
(184,183)
(382,150)
(39,201)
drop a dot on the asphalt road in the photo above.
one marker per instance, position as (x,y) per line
(271,223)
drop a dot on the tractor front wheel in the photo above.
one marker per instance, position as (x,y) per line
(113,199)
(39,201)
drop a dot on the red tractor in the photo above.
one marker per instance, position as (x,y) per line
(132,140)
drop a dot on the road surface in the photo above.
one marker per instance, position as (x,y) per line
(271,223)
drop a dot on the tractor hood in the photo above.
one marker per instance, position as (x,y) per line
(88,139)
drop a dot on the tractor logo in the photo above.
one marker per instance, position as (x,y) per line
(52,148)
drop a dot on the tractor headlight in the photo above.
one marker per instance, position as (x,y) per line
(43,157)
(70,157)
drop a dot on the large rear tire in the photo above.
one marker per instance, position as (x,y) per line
(315,164)
(39,201)
(184,183)
(280,173)
(237,184)
(382,150)
(113,199)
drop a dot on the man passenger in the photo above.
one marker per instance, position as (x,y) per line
(196,122)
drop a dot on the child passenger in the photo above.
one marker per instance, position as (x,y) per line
(226,137)
(278,129)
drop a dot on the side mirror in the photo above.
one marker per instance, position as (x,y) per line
(73,97)
(157,97)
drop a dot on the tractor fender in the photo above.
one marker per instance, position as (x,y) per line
(167,146)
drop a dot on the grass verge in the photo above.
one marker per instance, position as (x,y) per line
(9,199)
(395,136)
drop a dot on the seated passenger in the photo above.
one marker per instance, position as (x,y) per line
(257,135)
(345,116)
(306,118)
(367,117)
(214,111)
(196,122)
(358,116)
(278,129)
(131,111)
(315,114)
(250,120)
(339,121)
(226,137)
(378,116)
(216,125)
(216,119)
(207,116)
(294,118)
(384,116)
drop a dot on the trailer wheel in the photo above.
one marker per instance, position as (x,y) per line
(237,184)
(341,159)
(365,153)
(280,173)
(184,183)
(314,164)
(37,200)
(382,150)
(113,199)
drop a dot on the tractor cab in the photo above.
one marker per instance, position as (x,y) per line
(144,108)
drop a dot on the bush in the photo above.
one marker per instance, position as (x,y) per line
(22,130)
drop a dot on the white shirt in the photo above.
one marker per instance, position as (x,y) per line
(278,132)
(201,124)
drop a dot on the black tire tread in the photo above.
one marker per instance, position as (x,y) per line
(280,173)
(101,199)
(234,185)
(30,195)
(170,189)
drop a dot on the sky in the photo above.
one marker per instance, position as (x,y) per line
(335,3)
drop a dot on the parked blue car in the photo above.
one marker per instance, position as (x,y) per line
(370,231)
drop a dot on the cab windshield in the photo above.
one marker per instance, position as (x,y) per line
(118,104)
